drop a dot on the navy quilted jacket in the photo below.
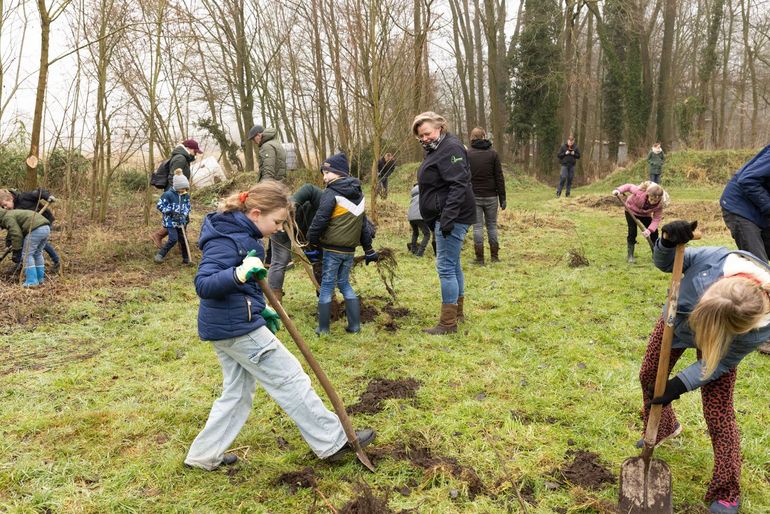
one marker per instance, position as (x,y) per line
(227,308)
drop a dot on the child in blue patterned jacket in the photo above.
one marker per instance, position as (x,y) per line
(175,206)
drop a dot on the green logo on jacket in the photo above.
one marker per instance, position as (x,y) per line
(456,159)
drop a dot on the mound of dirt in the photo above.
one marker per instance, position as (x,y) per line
(586,470)
(366,502)
(379,389)
(422,457)
(396,312)
(608,202)
(368,312)
(305,478)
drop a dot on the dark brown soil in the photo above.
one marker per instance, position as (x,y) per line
(527,493)
(423,458)
(577,258)
(381,389)
(396,312)
(368,312)
(585,470)
(305,478)
(366,502)
(390,326)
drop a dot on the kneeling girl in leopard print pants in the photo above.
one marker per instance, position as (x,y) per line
(724,313)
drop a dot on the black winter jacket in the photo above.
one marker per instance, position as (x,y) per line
(568,160)
(30,201)
(486,170)
(444,179)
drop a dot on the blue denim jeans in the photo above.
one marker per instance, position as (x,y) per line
(260,358)
(566,176)
(336,271)
(33,246)
(450,271)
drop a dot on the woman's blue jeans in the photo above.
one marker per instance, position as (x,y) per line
(450,271)
(336,271)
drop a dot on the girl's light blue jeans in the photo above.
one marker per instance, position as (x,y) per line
(450,271)
(259,357)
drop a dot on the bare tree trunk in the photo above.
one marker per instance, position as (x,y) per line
(583,124)
(665,100)
(481,95)
(749,60)
(494,28)
(160,16)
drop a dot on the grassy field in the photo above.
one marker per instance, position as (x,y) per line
(104,383)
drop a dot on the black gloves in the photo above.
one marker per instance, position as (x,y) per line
(502,204)
(677,233)
(446,231)
(313,254)
(16,256)
(371,256)
(674,389)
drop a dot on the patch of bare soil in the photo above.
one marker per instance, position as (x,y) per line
(295,480)
(368,312)
(586,470)
(396,312)
(422,457)
(708,215)
(366,502)
(605,203)
(379,389)
(576,258)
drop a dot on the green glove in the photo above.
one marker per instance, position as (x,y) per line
(272,319)
(251,268)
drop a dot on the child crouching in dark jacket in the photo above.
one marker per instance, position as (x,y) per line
(339,226)
(175,206)
(233,316)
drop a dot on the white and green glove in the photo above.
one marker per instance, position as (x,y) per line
(250,268)
(272,319)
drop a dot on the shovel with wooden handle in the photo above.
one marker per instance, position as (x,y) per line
(639,224)
(339,408)
(645,483)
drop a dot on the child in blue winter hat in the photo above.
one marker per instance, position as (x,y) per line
(174,204)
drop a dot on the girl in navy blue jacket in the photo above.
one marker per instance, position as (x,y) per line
(233,316)
(724,313)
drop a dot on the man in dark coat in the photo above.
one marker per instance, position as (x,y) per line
(568,156)
(385,167)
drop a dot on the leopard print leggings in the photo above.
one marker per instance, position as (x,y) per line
(717,397)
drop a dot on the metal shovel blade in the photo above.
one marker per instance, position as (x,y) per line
(643,489)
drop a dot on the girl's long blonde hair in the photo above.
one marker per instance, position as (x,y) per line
(651,188)
(729,307)
(267,196)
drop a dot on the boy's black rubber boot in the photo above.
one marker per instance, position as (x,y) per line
(365,437)
(324,318)
(353,313)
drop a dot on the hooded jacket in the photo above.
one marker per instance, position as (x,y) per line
(486,171)
(656,160)
(30,200)
(272,157)
(306,200)
(444,179)
(702,267)
(180,159)
(414,205)
(19,224)
(340,223)
(175,207)
(637,204)
(747,194)
(227,307)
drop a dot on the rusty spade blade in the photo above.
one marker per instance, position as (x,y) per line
(645,489)
(339,407)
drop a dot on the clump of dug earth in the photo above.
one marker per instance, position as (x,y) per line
(295,480)
(366,502)
(577,258)
(586,470)
(379,389)
(423,457)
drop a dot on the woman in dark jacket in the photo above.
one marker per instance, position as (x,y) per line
(489,189)
(233,316)
(448,207)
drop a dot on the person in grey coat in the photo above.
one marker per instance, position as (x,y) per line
(417,224)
